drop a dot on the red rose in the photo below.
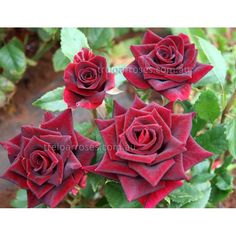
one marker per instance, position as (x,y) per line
(167,65)
(148,150)
(87,80)
(48,161)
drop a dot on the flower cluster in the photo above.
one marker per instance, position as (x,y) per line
(149,148)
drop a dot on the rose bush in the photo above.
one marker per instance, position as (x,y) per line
(87,80)
(148,150)
(167,65)
(48,161)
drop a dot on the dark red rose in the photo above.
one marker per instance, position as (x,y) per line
(148,150)
(167,65)
(87,80)
(48,161)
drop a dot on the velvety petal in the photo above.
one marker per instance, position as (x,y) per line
(131,114)
(200,71)
(153,199)
(172,148)
(59,141)
(181,92)
(135,188)
(136,157)
(185,38)
(12,150)
(160,85)
(92,102)
(57,177)
(133,74)
(165,128)
(86,150)
(139,50)
(190,56)
(181,126)
(150,37)
(32,199)
(15,178)
(194,154)
(62,123)
(115,167)
(176,172)
(109,138)
(72,164)
(138,103)
(110,83)
(17,166)
(47,116)
(152,174)
(57,194)
(179,42)
(71,98)
(92,169)
(28,131)
(103,124)
(83,55)
(39,191)
(118,109)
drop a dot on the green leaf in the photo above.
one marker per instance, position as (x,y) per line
(21,199)
(214,140)
(216,59)
(207,106)
(201,168)
(100,37)
(203,177)
(197,125)
(185,194)
(96,181)
(46,34)
(52,101)
(116,197)
(60,61)
(84,128)
(201,202)
(109,106)
(224,181)
(218,195)
(12,57)
(72,41)
(231,136)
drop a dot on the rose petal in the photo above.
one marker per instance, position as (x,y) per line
(151,37)
(181,126)
(200,71)
(57,194)
(114,167)
(152,174)
(153,199)
(139,50)
(135,188)
(133,74)
(181,92)
(194,154)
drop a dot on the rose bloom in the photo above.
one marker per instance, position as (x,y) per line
(87,80)
(148,150)
(48,161)
(167,65)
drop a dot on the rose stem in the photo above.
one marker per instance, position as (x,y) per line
(228,106)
